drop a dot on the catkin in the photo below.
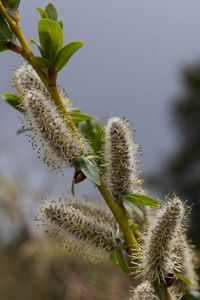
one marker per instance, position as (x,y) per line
(85,233)
(165,228)
(119,158)
(52,133)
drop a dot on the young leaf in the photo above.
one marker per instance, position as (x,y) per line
(3,46)
(66,53)
(113,257)
(159,289)
(5,32)
(51,38)
(137,210)
(93,132)
(183,278)
(51,12)
(41,61)
(61,23)
(12,5)
(13,100)
(122,260)
(191,295)
(42,12)
(141,200)
(77,116)
(90,169)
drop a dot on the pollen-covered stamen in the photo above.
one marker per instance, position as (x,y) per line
(165,228)
(143,291)
(25,79)
(82,234)
(119,158)
(52,132)
(189,266)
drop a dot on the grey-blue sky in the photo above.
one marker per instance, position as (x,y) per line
(128,67)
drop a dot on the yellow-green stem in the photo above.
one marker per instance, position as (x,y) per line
(118,213)
(27,54)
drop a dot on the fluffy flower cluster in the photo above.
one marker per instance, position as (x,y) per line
(119,158)
(85,231)
(163,242)
(52,132)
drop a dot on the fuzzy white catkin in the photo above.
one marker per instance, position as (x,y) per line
(165,228)
(119,158)
(52,133)
(86,233)
(144,291)
(25,79)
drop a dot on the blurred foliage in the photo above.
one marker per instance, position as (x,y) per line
(33,268)
(181,172)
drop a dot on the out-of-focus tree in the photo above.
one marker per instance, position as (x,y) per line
(181,172)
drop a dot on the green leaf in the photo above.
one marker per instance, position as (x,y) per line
(113,257)
(137,210)
(51,38)
(22,130)
(77,116)
(191,295)
(93,132)
(3,46)
(42,12)
(90,169)
(12,4)
(5,32)
(13,100)
(66,53)
(51,12)
(141,200)
(61,23)
(41,61)
(122,259)
(159,288)
(183,278)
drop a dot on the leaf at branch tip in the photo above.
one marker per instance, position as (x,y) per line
(42,62)
(51,38)
(191,295)
(141,200)
(90,169)
(66,53)
(12,5)
(51,12)
(42,12)
(183,278)
(77,116)
(13,100)
(61,23)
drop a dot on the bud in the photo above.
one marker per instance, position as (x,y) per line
(165,228)
(52,132)
(119,158)
(83,232)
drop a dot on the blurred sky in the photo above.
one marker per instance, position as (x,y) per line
(129,67)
